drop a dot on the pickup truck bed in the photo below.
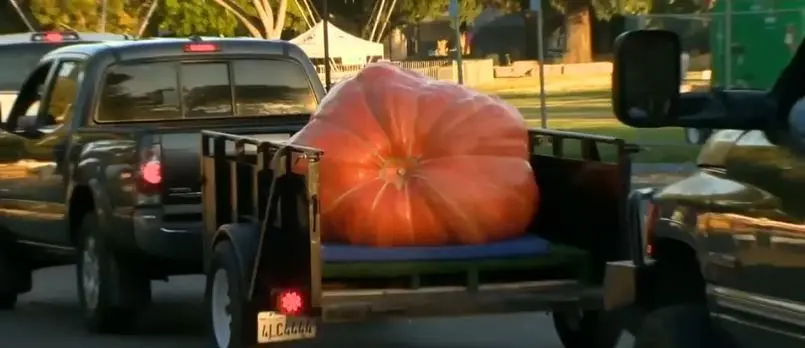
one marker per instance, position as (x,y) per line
(268,216)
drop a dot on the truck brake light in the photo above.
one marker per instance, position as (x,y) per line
(54,36)
(201,47)
(151,172)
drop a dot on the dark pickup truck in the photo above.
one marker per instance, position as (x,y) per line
(723,264)
(105,174)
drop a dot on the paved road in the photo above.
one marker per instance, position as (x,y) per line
(49,317)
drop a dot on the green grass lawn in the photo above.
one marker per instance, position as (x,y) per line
(590,111)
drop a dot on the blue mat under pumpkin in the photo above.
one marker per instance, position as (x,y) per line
(531,246)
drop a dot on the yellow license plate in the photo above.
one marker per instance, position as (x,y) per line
(275,327)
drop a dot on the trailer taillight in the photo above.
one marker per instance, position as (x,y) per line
(652,215)
(290,302)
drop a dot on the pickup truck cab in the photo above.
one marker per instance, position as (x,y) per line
(105,174)
(724,253)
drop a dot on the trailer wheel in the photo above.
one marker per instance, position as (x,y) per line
(681,326)
(111,292)
(585,329)
(224,297)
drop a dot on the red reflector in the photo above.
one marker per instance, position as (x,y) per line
(289,302)
(53,37)
(152,172)
(201,47)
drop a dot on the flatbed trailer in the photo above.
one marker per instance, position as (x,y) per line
(271,278)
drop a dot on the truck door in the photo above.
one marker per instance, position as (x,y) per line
(768,226)
(46,152)
(17,184)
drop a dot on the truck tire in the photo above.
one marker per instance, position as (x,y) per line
(8,291)
(110,291)
(586,329)
(224,297)
(681,326)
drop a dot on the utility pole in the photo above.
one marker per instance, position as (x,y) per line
(536,5)
(325,21)
(728,43)
(454,15)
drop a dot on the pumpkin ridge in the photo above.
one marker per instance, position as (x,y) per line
(473,229)
(465,155)
(334,204)
(438,116)
(376,110)
(454,122)
(379,193)
(369,146)
(409,211)
(513,192)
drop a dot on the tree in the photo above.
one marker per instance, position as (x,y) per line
(267,19)
(202,17)
(122,16)
(578,22)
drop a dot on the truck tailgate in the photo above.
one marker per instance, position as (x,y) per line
(181,178)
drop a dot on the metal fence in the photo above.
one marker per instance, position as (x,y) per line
(428,68)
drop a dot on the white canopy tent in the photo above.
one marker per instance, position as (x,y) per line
(351,49)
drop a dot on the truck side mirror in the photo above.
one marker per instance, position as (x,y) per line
(646,75)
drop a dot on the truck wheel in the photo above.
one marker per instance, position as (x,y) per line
(224,297)
(681,326)
(111,292)
(8,291)
(585,329)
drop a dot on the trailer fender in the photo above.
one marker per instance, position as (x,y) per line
(245,239)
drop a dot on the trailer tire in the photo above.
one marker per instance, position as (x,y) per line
(586,329)
(224,297)
(111,292)
(681,326)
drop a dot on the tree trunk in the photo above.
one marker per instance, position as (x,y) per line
(579,43)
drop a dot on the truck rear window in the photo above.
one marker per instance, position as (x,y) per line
(161,91)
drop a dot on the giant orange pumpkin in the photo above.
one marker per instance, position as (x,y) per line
(409,161)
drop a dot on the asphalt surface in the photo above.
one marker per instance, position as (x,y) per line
(49,317)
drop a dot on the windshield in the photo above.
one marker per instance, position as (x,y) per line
(158,91)
(18,60)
